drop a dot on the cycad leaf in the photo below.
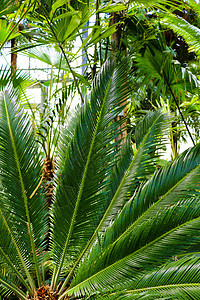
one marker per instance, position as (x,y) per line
(178,292)
(146,128)
(132,267)
(131,252)
(131,169)
(169,185)
(178,279)
(79,204)
(20,177)
(11,256)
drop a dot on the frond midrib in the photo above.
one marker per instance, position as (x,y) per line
(161,287)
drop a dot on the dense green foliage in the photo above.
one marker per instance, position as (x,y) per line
(105,217)
(117,227)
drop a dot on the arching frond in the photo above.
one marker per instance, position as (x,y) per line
(129,253)
(86,163)
(22,196)
(181,27)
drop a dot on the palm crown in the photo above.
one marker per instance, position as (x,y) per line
(118,228)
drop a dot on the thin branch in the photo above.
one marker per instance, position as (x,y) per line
(176,102)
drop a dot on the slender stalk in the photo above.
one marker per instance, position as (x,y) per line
(86,54)
(57,129)
(174,140)
(176,102)
(107,45)
(95,46)
(95,62)
(98,24)
(51,127)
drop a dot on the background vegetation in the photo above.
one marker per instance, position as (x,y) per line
(89,208)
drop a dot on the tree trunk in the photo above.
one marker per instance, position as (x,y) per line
(48,178)
(118,50)
(13,56)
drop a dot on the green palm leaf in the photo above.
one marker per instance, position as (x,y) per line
(126,177)
(20,178)
(167,187)
(178,292)
(181,27)
(88,159)
(178,279)
(9,253)
(130,250)
(168,75)
(129,172)
(130,268)
(6,7)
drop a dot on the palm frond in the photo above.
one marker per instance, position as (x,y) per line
(6,7)
(170,184)
(49,56)
(20,177)
(162,5)
(11,257)
(132,267)
(126,179)
(130,238)
(179,292)
(168,75)
(178,279)
(9,286)
(88,159)
(181,27)
(183,270)
(18,80)
(127,174)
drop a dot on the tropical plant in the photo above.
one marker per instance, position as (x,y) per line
(170,81)
(118,228)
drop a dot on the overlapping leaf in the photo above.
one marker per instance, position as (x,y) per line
(145,225)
